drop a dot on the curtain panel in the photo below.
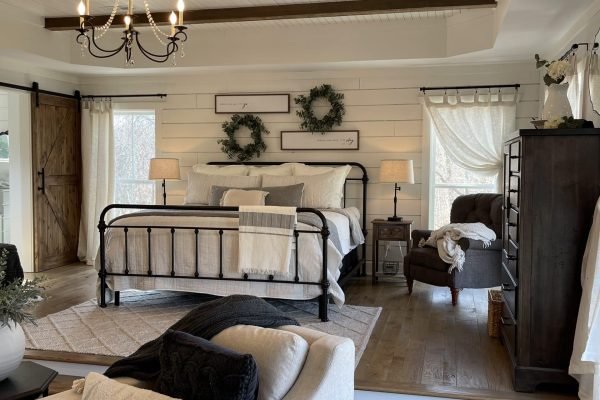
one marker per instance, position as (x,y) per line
(97,149)
(472,129)
(577,84)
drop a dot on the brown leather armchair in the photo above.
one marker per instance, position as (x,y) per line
(483,265)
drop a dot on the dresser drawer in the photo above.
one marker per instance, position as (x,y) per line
(513,225)
(514,157)
(514,191)
(509,331)
(509,291)
(512,265)
(393,233)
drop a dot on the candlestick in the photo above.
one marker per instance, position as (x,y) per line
(180,8)
(173,20)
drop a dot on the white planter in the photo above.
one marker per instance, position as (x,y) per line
(12,349)
(557,103)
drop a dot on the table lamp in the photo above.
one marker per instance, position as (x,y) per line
(164,168)
(396,171)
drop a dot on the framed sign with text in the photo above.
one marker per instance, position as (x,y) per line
(332,140)
(252,103)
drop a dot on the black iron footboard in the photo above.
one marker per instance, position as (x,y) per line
(103,227)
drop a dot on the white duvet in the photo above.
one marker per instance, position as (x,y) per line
(310,256)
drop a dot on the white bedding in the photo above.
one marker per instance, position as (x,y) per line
(310,256)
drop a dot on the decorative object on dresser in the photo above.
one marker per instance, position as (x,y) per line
(334,116)
(557,103)
(89,34)
(164,168)
(396,171)
(482,264)
(231,147)
(551,185)
(28,381)
(270,103)
(397,230)
(333,140)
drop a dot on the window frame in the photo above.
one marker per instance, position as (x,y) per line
(141,109)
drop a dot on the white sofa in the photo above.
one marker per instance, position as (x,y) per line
(325,370)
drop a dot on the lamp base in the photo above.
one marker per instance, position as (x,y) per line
(394,219)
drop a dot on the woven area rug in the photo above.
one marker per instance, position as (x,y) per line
(143,316)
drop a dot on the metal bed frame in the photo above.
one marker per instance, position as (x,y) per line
(103,227)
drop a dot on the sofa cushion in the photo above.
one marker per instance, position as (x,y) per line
(280,356)
(99,387)
(427,257)
(192,368)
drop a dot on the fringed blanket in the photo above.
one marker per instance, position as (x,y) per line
(205,321)
(265,242)
(446,240)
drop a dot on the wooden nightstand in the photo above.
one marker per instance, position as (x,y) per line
(389,231)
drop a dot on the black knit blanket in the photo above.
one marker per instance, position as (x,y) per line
(205,321)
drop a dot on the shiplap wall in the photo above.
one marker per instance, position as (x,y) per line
(383,104)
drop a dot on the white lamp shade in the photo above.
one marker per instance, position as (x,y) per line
(397,171)
(164,168)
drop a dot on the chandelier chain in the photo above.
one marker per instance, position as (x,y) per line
(155,29)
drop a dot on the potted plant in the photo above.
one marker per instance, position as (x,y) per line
(557,103)
(16,298)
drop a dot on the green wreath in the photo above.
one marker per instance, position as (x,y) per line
(231,147)
(334,117)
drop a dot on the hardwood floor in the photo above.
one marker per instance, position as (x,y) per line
(421,344)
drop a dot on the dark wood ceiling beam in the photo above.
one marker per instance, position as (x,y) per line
(289,11)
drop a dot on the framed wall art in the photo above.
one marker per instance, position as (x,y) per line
(333,140)
(252,103)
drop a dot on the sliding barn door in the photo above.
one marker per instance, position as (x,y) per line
(56,142)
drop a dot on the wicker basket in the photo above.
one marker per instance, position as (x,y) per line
(495,302)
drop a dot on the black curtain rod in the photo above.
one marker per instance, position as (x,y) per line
(427,89)
(35,88)
(161,95)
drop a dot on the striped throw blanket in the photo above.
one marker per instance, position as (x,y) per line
(265,239)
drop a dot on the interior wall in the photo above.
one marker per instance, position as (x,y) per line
(384,104)
(3,128)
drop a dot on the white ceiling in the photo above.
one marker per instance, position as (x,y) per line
(529,27)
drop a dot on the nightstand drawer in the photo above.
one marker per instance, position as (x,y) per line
(393,233)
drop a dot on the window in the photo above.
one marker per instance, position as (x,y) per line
(134,147)
(450,181)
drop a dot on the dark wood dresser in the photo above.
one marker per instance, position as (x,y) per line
(552,183)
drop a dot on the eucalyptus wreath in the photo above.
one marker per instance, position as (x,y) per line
(334,117)
(230,145)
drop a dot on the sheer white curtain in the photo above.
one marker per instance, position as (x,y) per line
(576,80)
(98,173)
(472,129)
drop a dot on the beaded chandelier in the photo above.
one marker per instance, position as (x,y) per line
(89,34)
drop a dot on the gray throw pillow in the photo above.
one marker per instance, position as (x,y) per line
(284,196)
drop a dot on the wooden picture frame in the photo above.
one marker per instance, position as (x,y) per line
(252,103)
(332,140)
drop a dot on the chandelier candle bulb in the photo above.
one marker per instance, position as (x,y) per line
(127,20)
(173,20)
(81,9)
(180,8)
(87,8)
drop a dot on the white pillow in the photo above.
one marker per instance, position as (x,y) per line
(238,197)
(280,356)
(99,387)
(320,191)
(198,185)
(218,170)
(286,169)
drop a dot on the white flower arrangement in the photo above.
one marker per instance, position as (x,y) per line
(556,71)
(553,123)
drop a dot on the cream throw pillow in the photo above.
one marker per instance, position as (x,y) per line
(239,197)
(286,169)
(198,185)
(324,190)
(219,170)
(280,356)
(99,387)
